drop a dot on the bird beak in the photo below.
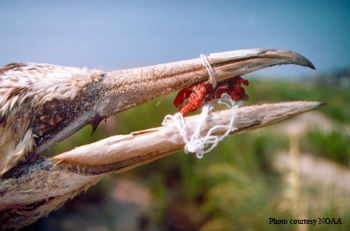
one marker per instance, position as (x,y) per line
(131,87)
(36,187)
(240,62)
(123,89)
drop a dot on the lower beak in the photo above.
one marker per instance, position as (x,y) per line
(35,188)
(124,89)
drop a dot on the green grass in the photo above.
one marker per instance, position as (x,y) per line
(337,100)
(239,186)
(333,145)
(235,186)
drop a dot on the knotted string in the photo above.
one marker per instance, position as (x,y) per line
(195,143)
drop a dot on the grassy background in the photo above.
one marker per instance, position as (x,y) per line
(236,186)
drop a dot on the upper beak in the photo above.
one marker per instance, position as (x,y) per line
(37,186)
(124,89)
(240,62)
(131,87)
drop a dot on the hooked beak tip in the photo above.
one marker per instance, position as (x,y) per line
(311,65)
(240,62)
(289,56)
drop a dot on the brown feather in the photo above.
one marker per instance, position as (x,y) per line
(34,99)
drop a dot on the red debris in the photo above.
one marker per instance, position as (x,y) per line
(197,93)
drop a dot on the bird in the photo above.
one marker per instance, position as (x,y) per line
(42,104)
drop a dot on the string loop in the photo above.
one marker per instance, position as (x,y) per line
(211,71)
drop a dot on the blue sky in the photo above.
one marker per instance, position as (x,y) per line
(122,34)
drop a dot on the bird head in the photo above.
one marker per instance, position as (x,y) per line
(42,104)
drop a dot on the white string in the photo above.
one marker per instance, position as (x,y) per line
(211,72)
(179,123)
(196,143)
(202,145)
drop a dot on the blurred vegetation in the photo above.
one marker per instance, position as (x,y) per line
(235,186)
(335,97)
(333,145)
